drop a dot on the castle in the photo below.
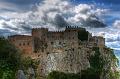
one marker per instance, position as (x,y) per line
(43,41)
(66,51)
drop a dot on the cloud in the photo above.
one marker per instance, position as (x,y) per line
(59,21)
(115,2)
(54,14)
(88,16)
(111,35)
(5,6)
(116,24)
(17,5)
(18,18)
(22,2)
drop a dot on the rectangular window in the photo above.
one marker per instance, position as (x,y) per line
(52,43)
(59,42)
(28,44)
(23,44)
(19,44)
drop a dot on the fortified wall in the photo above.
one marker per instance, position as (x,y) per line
(67,51)
(43,41)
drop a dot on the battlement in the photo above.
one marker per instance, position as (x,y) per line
(40,28)
(72,27)
(43,40)
(19,37)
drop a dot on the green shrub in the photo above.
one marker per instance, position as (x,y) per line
(9,59)
(86,74)
(83,35)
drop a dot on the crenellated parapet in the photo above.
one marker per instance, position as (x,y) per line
(42,40)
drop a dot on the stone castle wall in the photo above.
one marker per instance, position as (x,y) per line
(23,42)
(62,50)
(43,41)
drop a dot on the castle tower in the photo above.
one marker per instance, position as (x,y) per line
(40,33)
(39,38)
(100,41)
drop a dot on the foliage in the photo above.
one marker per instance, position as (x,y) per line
(28,62)
(96,61)
(62,75)
(85,74)
(83,35)
(114,73)
(89,74)
(113,57)
(9,59)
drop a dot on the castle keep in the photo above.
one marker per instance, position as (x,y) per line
(43,41)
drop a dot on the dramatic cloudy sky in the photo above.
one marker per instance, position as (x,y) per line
(100,17)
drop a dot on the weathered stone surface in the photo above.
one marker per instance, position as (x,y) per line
(31,73)
(20,75)
(69,61)
(61,51)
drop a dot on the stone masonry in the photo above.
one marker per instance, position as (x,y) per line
(58,50)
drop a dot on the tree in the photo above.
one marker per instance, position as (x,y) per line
(83,35)
(9,59)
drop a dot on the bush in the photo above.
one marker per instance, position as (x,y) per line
(57,75)
(83,35)
(86,74)
(90,74)
(96,61)
(9,59)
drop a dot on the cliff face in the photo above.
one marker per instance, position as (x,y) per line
(102,60)
(69,61)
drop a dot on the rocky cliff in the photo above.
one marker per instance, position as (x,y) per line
(101,59)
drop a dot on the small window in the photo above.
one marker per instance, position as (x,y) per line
(73,49)
(28,43)
(66,70)
(23,44)
(59,42)
(20,44)
(52,43)
(42,50)
(47,53)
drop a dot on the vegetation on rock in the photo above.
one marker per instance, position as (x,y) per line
(9,59)
(97,70)
(83,35)
(86,74)
(62,75)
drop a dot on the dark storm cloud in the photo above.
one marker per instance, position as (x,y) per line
(60,22)
(6,32)
(23,25)
(101,1)
(19,26)
(7,26)
(94,23)
(17,5)
(22,2)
